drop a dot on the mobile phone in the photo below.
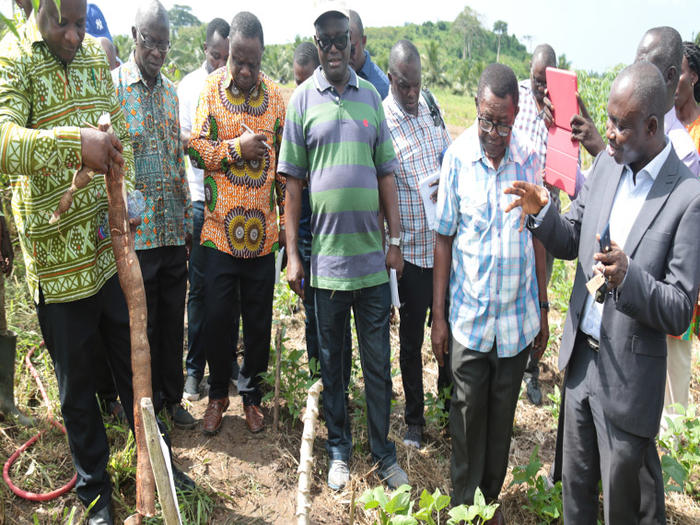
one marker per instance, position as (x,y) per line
(605,244)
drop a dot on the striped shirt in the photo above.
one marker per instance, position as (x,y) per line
(43,105)
(419,145)
(342,141)
(493,286)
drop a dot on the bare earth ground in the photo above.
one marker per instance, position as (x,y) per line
(252,478)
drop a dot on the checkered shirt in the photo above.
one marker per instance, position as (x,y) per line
(419,145)
(493,286)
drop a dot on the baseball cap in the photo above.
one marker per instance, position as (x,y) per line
(95,23)
(323,7)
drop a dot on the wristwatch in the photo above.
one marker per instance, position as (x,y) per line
(544,305)
(395,241)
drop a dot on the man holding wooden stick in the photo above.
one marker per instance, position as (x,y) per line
(54,85)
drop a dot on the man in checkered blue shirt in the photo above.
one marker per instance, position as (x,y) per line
(496,277)
(419,141)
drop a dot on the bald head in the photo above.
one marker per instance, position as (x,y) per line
(642,84)
(544,55)
(403,52)
(663,47)
(151,12)
(110,51)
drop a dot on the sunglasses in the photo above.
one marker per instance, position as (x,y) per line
(340,42)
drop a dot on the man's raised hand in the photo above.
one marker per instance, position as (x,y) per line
(100,150)
(583,129)
(531,199)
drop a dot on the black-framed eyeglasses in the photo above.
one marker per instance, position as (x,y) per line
(149,43)
(340,42)
(488,126)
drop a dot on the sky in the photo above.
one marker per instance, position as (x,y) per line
(594,34)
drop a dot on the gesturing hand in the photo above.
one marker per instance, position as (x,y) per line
(531,199)
(252,146)
(583,129)
(99,150)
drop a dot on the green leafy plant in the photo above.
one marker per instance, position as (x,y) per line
(680,444)
(397,508)
(544,500)
(436,413)
(555,398)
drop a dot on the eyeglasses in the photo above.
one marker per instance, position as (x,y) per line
(149,43)
(487,126)
(340,42)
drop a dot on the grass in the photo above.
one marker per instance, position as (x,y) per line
(459,110)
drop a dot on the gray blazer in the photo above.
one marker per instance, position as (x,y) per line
(657,296)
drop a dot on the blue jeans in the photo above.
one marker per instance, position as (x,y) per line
(371,308)
(312,344)
(196,357)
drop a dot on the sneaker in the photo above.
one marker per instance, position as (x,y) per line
(181,417)
(191,392)
(534,394)
(183,482)
(394,476)
(414,436)
(338,474)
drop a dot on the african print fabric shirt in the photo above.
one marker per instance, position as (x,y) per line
(43,105)
(241,197)
(153,124)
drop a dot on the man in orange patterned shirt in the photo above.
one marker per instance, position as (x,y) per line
(235,140)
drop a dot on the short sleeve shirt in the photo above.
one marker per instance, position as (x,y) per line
(342,142)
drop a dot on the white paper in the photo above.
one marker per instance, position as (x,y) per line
(278,265)
(166,454)
(394,286)
(426,191)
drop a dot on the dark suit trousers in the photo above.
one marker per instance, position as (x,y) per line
(164,273)
(484,396)
(73,333)
(596,449)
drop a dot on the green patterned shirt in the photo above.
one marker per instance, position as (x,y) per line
(43,105)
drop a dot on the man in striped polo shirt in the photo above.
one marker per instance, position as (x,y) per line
(336,132)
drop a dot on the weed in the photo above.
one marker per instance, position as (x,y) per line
(681,444)
(544,499)
(436,413)
(398,510)
(555,398)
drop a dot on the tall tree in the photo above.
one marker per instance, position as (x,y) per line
(563,63)
(500,28)
(181,16)
(467,25)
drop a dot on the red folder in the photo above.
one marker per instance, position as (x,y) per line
(562,151)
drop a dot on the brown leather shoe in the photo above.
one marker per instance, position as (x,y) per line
(498,519)
(253,418)
(211,422)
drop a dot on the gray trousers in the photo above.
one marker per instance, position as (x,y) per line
(596,449)
(484,396)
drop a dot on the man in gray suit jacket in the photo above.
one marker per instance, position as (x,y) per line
(614,352)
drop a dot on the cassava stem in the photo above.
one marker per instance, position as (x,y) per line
(306,458)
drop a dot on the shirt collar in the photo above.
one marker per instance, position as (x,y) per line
(322,84)
(654,166)
(228,80)
(132,73)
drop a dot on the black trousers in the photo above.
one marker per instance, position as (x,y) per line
(254,279)
(416,297)
(484,398)
(164,273)
(73,333)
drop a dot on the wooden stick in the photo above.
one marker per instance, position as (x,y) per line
(131,281)
(306,457)
(278,359)
(166,496)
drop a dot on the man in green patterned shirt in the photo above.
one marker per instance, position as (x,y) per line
(54,84)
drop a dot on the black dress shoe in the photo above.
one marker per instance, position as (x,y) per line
(101,517)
